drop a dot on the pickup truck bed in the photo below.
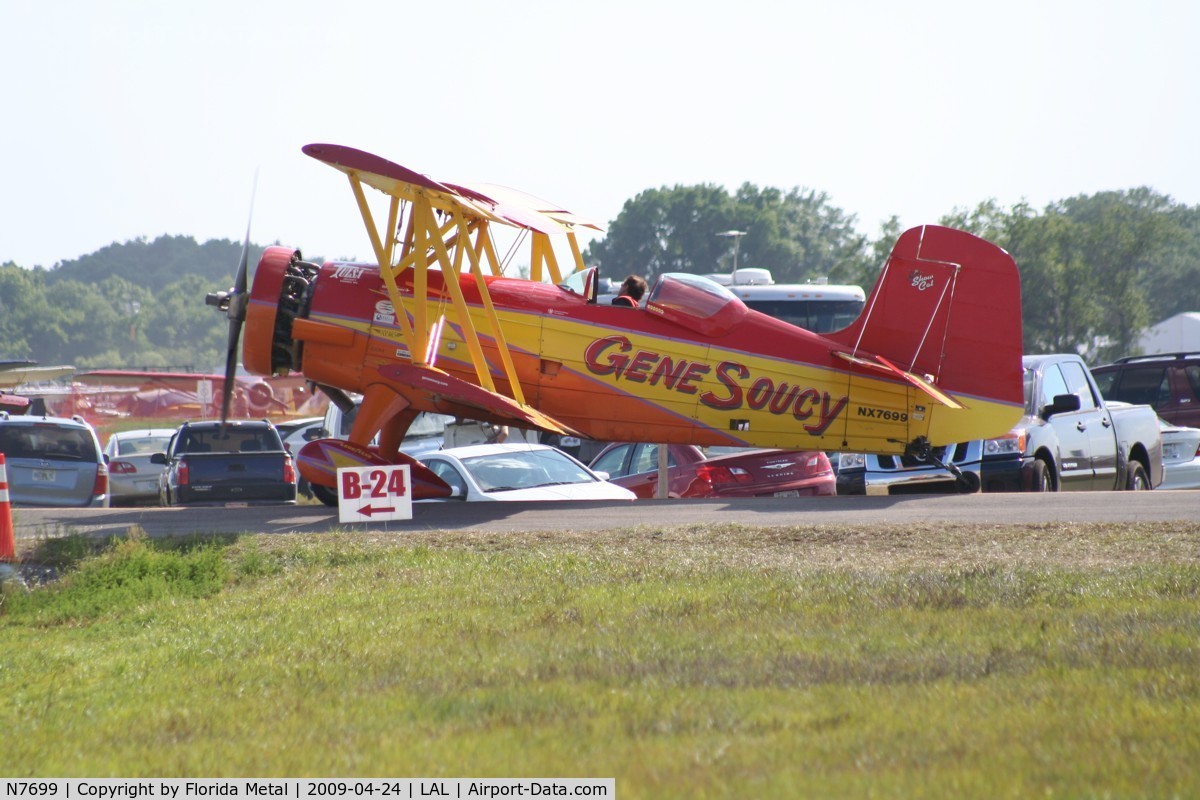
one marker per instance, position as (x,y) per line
(244,462)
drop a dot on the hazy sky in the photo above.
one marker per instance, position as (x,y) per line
(134,119)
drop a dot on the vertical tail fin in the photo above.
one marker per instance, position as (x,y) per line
(946,308)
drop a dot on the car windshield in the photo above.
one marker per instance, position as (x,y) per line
(428,424)
(142,445)
(47,441)
(524,469)
(235,439)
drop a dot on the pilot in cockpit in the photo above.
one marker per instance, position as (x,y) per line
(631,292)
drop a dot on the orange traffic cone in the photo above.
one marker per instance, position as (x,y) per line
(8,541)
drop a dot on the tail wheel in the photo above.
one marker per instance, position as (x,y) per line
(1138,480)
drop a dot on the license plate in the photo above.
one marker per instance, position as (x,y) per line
(1171,451)
(788,493)
(44,475)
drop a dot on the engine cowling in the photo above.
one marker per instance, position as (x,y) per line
(280,294)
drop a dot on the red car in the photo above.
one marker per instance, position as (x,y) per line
(718,471)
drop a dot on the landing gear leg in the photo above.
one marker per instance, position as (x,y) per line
(920,448)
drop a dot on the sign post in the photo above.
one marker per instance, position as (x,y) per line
(374,494)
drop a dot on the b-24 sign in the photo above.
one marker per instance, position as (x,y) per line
(374,494)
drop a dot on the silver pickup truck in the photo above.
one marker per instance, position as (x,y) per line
(1069,439)
(240,462)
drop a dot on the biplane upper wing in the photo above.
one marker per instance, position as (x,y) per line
(23,372)
(508,198)
(446,226)
(481,201)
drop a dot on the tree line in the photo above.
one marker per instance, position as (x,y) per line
(1095,271)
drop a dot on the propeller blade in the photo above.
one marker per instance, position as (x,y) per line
(235,301)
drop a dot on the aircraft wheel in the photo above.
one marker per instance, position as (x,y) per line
(967,483)
(325,495)
(1137,480)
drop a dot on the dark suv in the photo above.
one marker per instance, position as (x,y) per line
(1170,383)
(53,461)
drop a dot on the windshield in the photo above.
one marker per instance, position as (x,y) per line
(425,425)
(47,441)
(234,439)
(524,469)
(143,445)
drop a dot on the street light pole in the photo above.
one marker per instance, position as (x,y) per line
(737,237)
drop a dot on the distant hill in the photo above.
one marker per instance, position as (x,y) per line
(155,264)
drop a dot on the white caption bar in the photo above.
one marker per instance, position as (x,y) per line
(303,788)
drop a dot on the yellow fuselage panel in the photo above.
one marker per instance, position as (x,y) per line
(612,384)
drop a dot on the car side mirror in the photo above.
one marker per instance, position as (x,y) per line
(457,493)
(601,474)
(158,458)
(1063,403)
(312,434)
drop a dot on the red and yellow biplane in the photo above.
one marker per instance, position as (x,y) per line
(150,394)
(935,358)
(19,375)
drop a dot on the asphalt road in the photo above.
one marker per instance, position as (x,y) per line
(1155,506)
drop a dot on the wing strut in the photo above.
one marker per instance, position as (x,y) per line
(448,227)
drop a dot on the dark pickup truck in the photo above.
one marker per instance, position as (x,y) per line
(233,463)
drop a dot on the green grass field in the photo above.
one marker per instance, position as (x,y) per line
(685,662)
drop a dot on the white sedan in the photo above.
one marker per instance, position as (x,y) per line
(519,471)
(132,478)
(1181,456)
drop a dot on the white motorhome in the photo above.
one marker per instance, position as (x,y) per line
(817,307)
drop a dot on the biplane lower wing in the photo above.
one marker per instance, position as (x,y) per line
(435,390)
(13,404)
(411,388)
(319,462)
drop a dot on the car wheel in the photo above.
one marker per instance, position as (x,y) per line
(325,494)
(1041,480)
(1137,480)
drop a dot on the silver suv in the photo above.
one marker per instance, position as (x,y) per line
(53,461)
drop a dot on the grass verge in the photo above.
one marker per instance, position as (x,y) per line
(689,662)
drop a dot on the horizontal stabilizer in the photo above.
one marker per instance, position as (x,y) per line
(883,365)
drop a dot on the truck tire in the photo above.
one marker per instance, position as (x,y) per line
(1137,479)
(1042,479)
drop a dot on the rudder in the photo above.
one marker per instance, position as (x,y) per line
(946,306)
